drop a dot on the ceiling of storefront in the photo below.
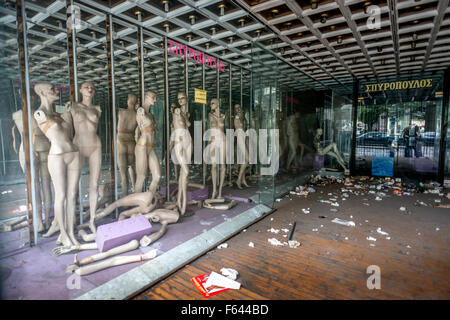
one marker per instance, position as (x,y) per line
(330,44)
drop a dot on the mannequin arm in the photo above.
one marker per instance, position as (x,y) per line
(115,261)
(147,240)
(132,245)
(67,117)
(85,246)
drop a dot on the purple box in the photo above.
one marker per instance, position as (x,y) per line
(318,162)
(121,232)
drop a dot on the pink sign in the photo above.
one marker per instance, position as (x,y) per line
(293,100)
(198,56)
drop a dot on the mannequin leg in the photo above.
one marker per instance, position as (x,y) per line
(58,174)
(37,185)
(73,177)
(95,163)
(141,167)
(153,163)
(46,187)
(128,213)
(122,163)
(291,155)
(131,161)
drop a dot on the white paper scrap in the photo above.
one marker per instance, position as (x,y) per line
(382,232)
(371,238)
(222,246)
(229,273)
(216,279)
(275,242)
(343,222)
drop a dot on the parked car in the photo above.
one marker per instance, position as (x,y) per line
(374,139)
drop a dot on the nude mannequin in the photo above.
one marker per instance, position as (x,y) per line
(239,124)
(182,148)
(63,162)
(217,146)
(146,157)
(293,140)
(173,106)
(281,126)
(84,117)
(330,150)
(41,146)
(126,127)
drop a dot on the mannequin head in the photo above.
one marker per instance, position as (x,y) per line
(215,104)
(87,90)
(131,101)
(319,132)
(182,99)
(47,92)
(149,98)
(238,108)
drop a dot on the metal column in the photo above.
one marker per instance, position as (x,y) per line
(230,105)
(141,63)
(27,119)
(444,126)
(73,78)
(166,102)
(112,101)
(203,126)
(352,161)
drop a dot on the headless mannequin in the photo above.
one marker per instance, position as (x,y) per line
(293,140)
(41,146)
(85,117)
(217,146)
(254,124)
(281,126)
(126,127)
(63,162)
(330,150)
(239,125)
(182,148)
(144,151)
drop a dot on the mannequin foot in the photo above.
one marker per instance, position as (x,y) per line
(238,184)
(213,196)
(245,183)
(53,229)
(73,239)
(58,241)
(92,226)
(65,241)
(40,227)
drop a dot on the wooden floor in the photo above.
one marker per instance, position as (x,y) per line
(331,263)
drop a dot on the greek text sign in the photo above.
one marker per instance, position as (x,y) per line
(400,85)
(200,96)
(198,56)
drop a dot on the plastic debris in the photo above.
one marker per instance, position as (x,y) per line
(343,222)
(306,211)
(222,246)
(229,273)
(378,199)
(251,244)
(276,231)
(294,243)
(382,232)
(402,209)
(371,238)
(275,242)
(218,280)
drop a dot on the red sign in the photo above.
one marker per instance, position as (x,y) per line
(198,56)
(293,100)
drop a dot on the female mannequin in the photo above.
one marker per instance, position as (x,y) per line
(217,146)
(293,140)
(182,148)
(145,153)
(63,161)
(85,117)
(330,150)
(126,127)
(239,126)
(41,146)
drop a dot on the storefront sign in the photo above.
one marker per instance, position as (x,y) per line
(400,85)
(198,56)
(293,100)
(200,96)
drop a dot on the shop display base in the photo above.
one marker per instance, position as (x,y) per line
(35,273)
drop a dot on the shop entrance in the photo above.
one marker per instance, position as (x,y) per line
(398,131)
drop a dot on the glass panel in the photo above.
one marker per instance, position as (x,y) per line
(13,194)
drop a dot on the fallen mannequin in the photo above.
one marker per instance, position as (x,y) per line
(218,204)
(14,225)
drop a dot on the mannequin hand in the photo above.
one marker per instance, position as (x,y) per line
(145,241)
(63,250)
(150,255)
